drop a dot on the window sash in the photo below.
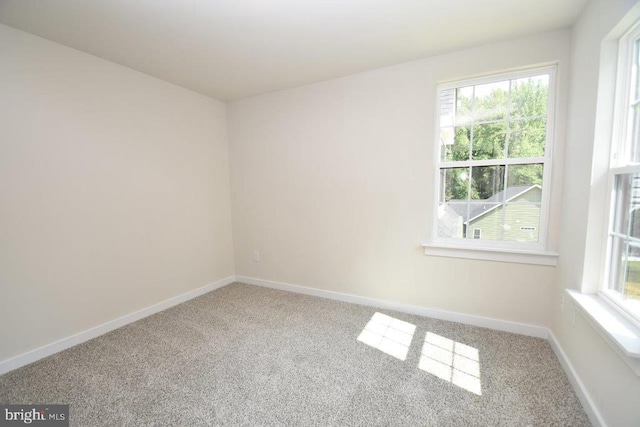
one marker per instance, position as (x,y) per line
(622,152)
(545,160)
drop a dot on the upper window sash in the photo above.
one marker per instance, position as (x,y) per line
(623,149)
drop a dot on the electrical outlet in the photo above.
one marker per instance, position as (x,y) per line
(256,256)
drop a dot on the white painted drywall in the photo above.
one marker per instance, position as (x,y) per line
(613,387)
(332,184)
(114,192)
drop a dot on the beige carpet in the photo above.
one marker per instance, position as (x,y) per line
(245,355)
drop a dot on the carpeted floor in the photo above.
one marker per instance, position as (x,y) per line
(245,355)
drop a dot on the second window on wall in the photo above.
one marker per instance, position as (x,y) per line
(494,158)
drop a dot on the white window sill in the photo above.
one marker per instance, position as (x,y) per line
(618,331)
(492,254)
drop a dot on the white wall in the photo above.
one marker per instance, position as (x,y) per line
(332,183)
(114,192)
(614,388)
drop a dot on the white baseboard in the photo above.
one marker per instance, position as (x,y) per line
(65,343)
(484,322)
(581,391)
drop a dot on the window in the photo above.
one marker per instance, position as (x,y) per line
(622,277)
(494,143)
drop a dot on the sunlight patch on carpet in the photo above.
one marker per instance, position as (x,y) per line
(451,361)
(388,334)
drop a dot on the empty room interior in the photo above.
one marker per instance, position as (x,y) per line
(218,212)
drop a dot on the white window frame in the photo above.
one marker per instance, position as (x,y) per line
(619,329)
(488,249)
(618,165)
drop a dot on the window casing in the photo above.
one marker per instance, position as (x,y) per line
(621,284)
(494,143)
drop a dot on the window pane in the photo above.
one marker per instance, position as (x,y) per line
(490,101)
(455,143)
(525,176)
(447,110)
(623,204)
(464,100)
(454,207)
(618,264)
(529,96)
(486,196)
(634,125)
(634,218)
(625,269)
(485,216)
(488,141)
(447,136)
(527,138)
(524,197)
(632,275)
(635,73)
(522,219)
(454,184)
(451,219)
(487,183)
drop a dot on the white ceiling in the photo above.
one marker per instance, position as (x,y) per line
(231,49)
